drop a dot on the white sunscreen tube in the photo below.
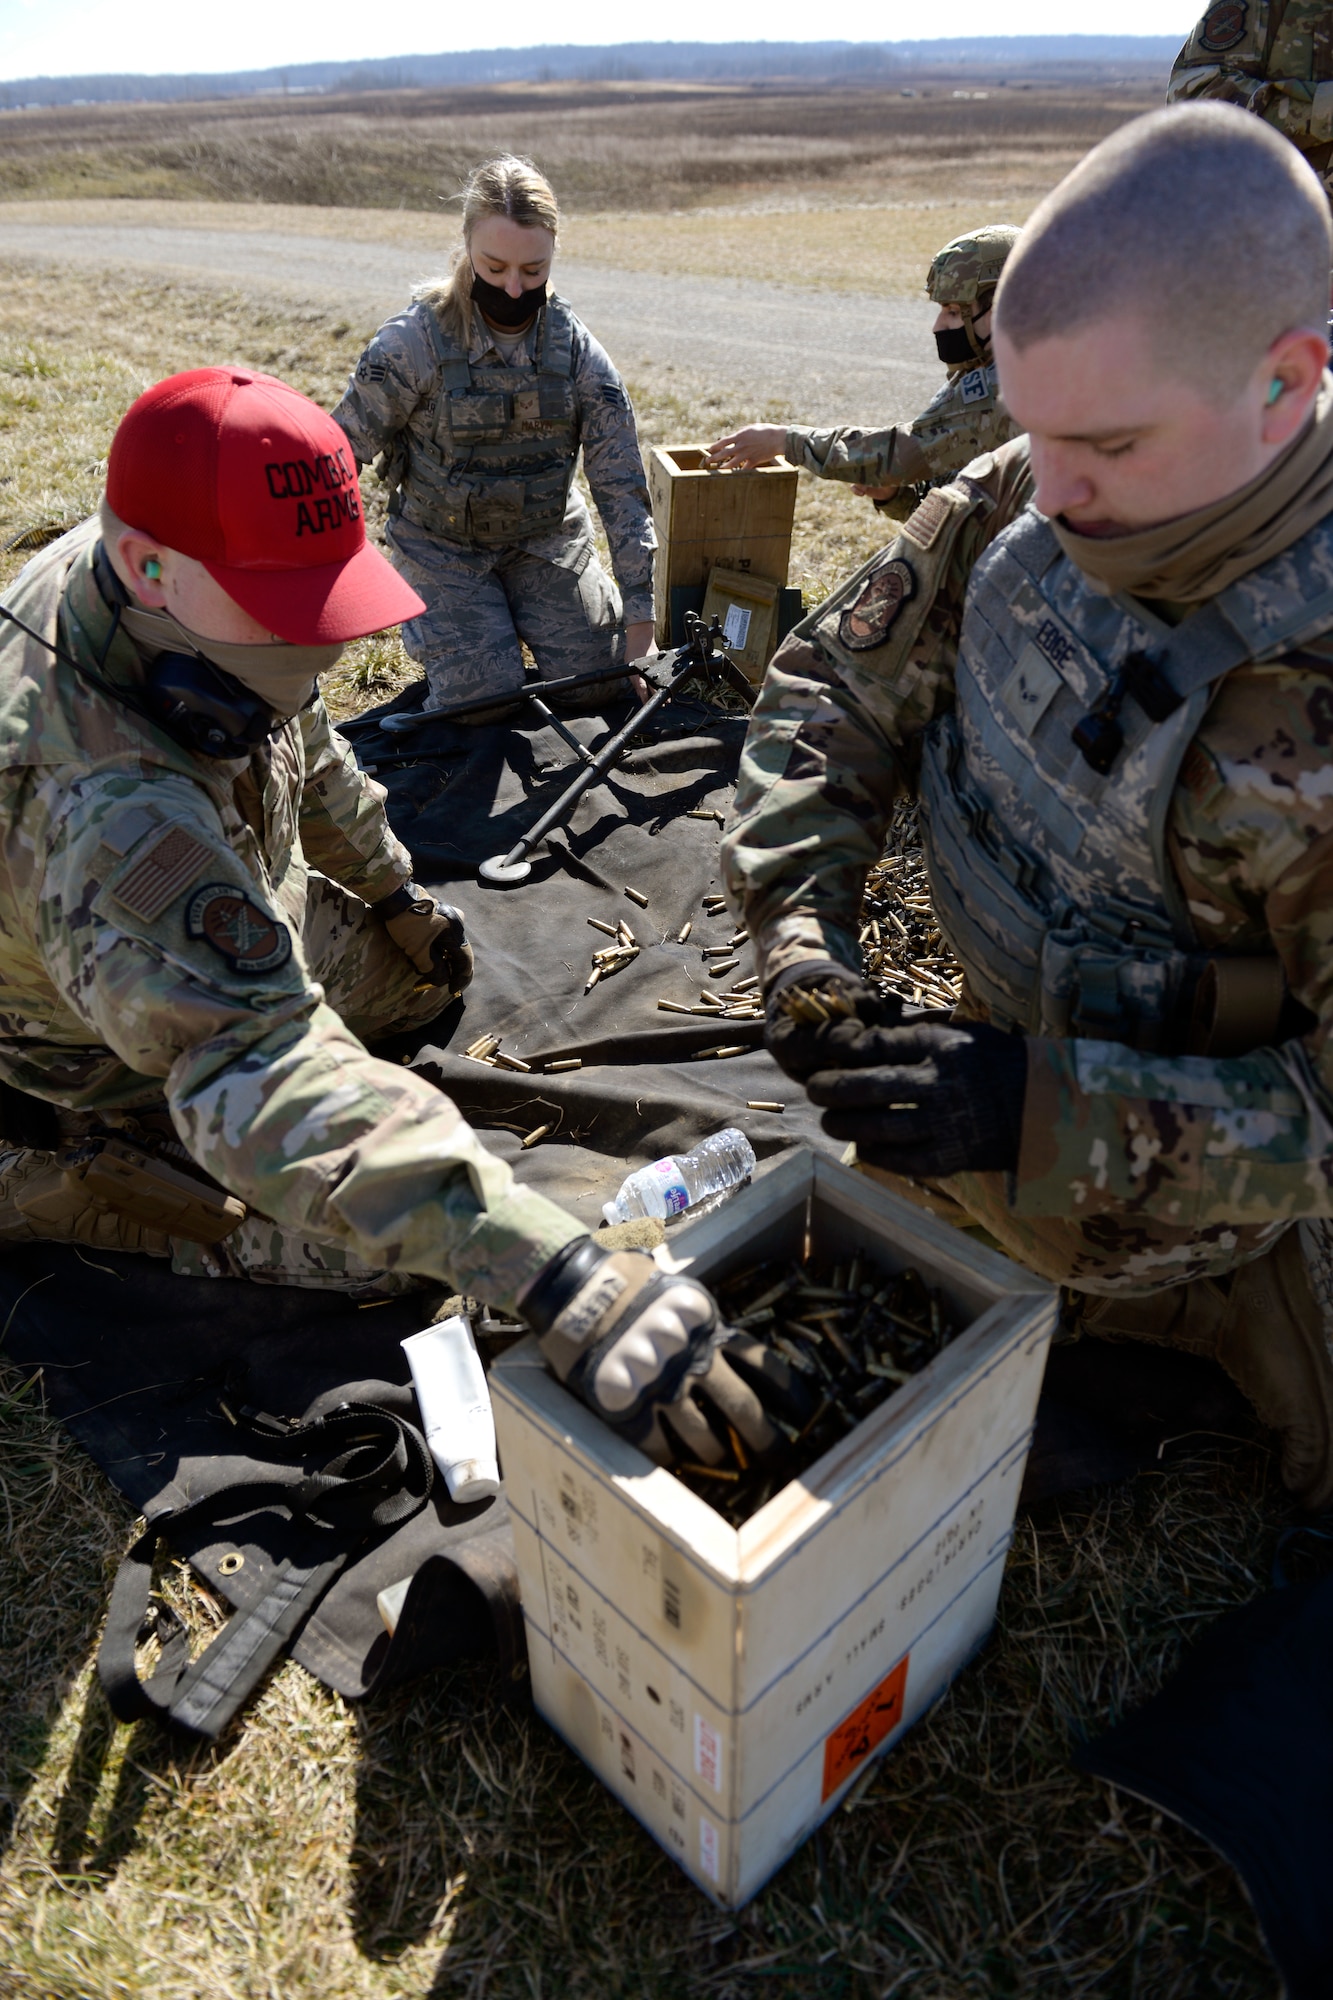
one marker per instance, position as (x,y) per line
(455,1408)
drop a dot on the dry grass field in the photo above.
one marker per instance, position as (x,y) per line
(606,148)
(443,1842)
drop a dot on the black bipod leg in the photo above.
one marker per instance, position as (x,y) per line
(562,730)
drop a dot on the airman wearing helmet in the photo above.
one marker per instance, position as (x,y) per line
(963,420)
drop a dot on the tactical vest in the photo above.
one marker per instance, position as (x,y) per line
(499,461)
(1050,880)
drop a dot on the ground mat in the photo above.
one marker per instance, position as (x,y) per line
(1239,1746)
(1110,1409)
(648,1084)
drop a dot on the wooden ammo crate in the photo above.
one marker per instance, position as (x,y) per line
(728,1685)
(742,520)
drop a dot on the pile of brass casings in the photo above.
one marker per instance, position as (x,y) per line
(902,949)
(852,1332)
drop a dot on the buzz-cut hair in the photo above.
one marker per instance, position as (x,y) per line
(1201,221)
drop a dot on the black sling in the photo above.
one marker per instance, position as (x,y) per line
(378,1475)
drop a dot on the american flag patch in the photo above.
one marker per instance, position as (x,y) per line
(159,876)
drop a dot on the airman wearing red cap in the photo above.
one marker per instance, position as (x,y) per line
(203,907)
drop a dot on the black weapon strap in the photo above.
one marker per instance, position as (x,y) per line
(379,1474)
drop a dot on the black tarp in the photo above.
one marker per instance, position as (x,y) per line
(466,795)
(137,1364)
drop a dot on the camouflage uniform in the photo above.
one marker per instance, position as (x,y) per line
(1136,1168)
(164,933)
(965,418)
(1272,57)
(485,521)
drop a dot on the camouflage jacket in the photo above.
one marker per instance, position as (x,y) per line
(1272,57)
(151,907)
(1156,1166)
(394,390)
(965,419)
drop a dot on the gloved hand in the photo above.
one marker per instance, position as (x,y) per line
(431,934)
(815,1010)
(646,1352)
(928,1100)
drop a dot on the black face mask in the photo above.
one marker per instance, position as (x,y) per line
(954,345)
(502,310)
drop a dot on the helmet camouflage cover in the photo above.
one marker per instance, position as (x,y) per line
(970,264)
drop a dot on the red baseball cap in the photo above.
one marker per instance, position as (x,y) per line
(259,485)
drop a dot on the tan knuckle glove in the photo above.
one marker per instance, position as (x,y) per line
(627,1339)
(430,934)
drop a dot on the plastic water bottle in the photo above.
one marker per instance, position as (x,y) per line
(675,1183)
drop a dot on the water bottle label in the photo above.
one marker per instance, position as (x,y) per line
(672,1188)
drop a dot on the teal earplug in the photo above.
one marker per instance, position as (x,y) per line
(152,568)
(1275,388)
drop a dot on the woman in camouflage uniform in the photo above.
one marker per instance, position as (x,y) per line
(477,400)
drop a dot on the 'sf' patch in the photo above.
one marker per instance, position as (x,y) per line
(868,622)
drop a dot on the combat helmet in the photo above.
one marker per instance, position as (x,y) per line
(965,273)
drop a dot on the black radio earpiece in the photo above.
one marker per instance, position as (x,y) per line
(205,709)
(200,707)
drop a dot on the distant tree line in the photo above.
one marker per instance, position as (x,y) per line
(624,62)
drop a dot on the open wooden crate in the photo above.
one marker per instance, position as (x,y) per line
(730,1685)
(740,520)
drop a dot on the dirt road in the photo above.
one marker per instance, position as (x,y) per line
(819,358)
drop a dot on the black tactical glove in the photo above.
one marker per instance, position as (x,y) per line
(431,934)
(928,1100)
(816,1009)
(644,1351)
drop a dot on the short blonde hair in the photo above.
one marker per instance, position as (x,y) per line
(510,186)
(1202,220)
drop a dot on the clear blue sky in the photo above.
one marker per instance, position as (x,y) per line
(77,37)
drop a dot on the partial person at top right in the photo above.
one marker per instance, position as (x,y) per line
(894,467)
(1271,57)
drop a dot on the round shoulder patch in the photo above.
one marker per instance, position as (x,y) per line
(247,937)
(1224,25)
(868,621)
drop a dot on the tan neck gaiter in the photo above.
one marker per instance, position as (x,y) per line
(283,676)
(1197,555)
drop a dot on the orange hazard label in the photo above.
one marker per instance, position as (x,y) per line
(867,1725)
